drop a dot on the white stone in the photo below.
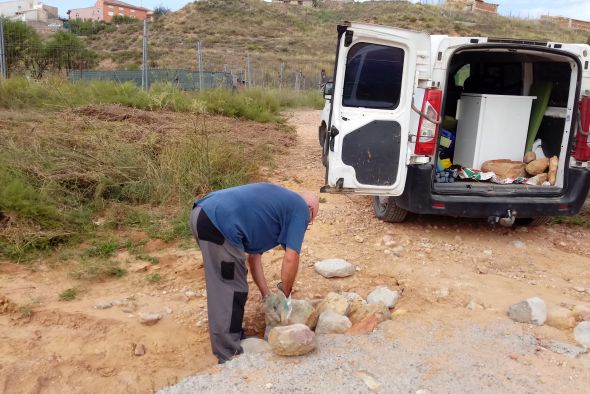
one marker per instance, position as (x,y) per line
(331,322)
(293,340)
(353,297)
(191,294)
(149,319)
(388,240)
(582,334)
(255,345)
(382,295)
(442,292)
(103,305)
(398,250)
(517,244)
(532,311)
(330,268)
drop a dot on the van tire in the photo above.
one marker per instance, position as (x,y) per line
(538,221)
(387,210)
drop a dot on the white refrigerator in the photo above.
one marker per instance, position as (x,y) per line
(491,127)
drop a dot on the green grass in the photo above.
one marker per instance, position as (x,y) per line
(25,311)
(97,269)
(256,104)
(67,162)
(153,260)
(68,294)
(153,277)
(581,219)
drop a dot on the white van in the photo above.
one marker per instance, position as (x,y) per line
(395,90)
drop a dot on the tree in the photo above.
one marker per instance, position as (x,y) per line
(161,10)
(22,45)
(65,51)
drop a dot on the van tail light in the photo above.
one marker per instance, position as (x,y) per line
(427,130)
(582,148)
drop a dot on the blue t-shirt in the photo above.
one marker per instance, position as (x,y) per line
(259,216)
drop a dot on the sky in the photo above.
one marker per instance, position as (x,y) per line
(578,9)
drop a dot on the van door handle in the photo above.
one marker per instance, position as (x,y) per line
(333,133)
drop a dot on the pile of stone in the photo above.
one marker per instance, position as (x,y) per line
(534,311)
(338,313)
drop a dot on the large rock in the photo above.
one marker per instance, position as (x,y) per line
(149,319)
(336,303)
(255,345)
(532,311)
(560,318)
(382,295)
(303,313)
(331,322)
(331,268)
(504,168)
(366,325)
(293,340)
(359,312)
(582,334)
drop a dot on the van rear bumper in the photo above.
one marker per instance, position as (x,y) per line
(418,197)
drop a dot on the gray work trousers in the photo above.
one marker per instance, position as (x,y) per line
(227,287)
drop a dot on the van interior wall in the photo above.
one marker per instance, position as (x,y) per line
(512,73)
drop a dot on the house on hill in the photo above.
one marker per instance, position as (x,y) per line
(42,17)
(568,23)
(105,10)
(474,5)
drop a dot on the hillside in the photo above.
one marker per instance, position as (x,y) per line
(299,36)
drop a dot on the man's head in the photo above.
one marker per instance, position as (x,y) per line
(312,201)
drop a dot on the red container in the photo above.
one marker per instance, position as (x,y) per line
(582,149)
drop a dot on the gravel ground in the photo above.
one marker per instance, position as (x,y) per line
(486,358)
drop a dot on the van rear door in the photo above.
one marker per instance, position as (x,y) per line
(377,70)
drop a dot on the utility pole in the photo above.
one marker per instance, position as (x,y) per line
(145,84)
(3,71)
(200,63)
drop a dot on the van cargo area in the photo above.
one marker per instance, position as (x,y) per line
(502,103)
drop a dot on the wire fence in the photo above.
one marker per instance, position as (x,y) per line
(25,53)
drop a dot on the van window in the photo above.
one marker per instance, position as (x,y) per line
(462,74)
(373,76)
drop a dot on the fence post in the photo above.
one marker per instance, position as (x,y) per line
(200,60)
(281,75)
(3,71)
(144,75)
(249,70)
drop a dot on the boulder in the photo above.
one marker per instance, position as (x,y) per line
(560,318)
(359,312)
(334,268)
(303,313)
(353,297)
(532,311)
(336,303)
(331,322)
(293,340)
(538,166)
(582,334)
(149,319)
(383,296)
(255,345)
(581,312)
(366,325)
(505,168)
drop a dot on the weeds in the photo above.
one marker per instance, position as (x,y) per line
(68,294)
(103,249)
(153,277)
(93,269)
(25,311)
(150,259)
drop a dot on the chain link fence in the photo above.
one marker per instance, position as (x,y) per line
(23,52)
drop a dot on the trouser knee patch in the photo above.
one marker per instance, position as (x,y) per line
(237,313)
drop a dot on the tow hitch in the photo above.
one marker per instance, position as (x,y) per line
(506,221)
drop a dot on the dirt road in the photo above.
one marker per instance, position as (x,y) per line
(443,265)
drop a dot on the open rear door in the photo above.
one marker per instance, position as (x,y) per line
(376,71)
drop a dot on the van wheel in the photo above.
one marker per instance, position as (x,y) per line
(538,221)
(387,210)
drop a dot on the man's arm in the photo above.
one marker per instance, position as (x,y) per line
(255,264)
(289,270)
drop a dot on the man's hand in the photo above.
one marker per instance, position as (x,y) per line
(277,309)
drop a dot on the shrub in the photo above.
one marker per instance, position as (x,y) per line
(68,294)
